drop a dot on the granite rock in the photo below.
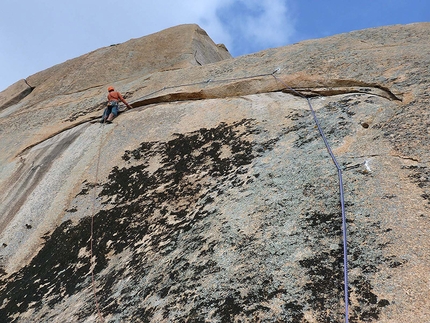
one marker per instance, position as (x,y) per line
(214,199)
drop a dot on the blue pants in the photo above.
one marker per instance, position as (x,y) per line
(110,109)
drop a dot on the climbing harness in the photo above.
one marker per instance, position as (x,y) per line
(339,173)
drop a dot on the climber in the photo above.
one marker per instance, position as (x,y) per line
(111,110)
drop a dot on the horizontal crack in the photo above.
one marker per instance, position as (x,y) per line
(172,97)
(247,85)
(330,91)
(407,158)
(386,155)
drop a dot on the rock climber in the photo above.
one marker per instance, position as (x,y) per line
(111,110)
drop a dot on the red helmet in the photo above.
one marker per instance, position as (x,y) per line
(110,88)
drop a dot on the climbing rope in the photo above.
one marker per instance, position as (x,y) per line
(92,260)
(342,199)
(339,173)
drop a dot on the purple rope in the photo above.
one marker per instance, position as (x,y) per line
(342,199)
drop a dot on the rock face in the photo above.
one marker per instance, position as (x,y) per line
(214,199)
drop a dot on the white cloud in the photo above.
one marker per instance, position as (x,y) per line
(255,25)
(172,12)
(40,34)
(272,26)
(243,26)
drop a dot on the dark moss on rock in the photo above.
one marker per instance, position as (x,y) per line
(140,211)
(163,202)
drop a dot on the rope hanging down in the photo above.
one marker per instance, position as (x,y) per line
(339,173)
(92,260)
(342,199)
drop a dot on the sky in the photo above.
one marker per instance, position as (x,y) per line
(38,34)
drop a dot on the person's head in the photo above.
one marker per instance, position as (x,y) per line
(110,89)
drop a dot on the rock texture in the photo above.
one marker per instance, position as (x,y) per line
(214,199)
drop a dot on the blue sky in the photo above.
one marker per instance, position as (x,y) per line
(35,35)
